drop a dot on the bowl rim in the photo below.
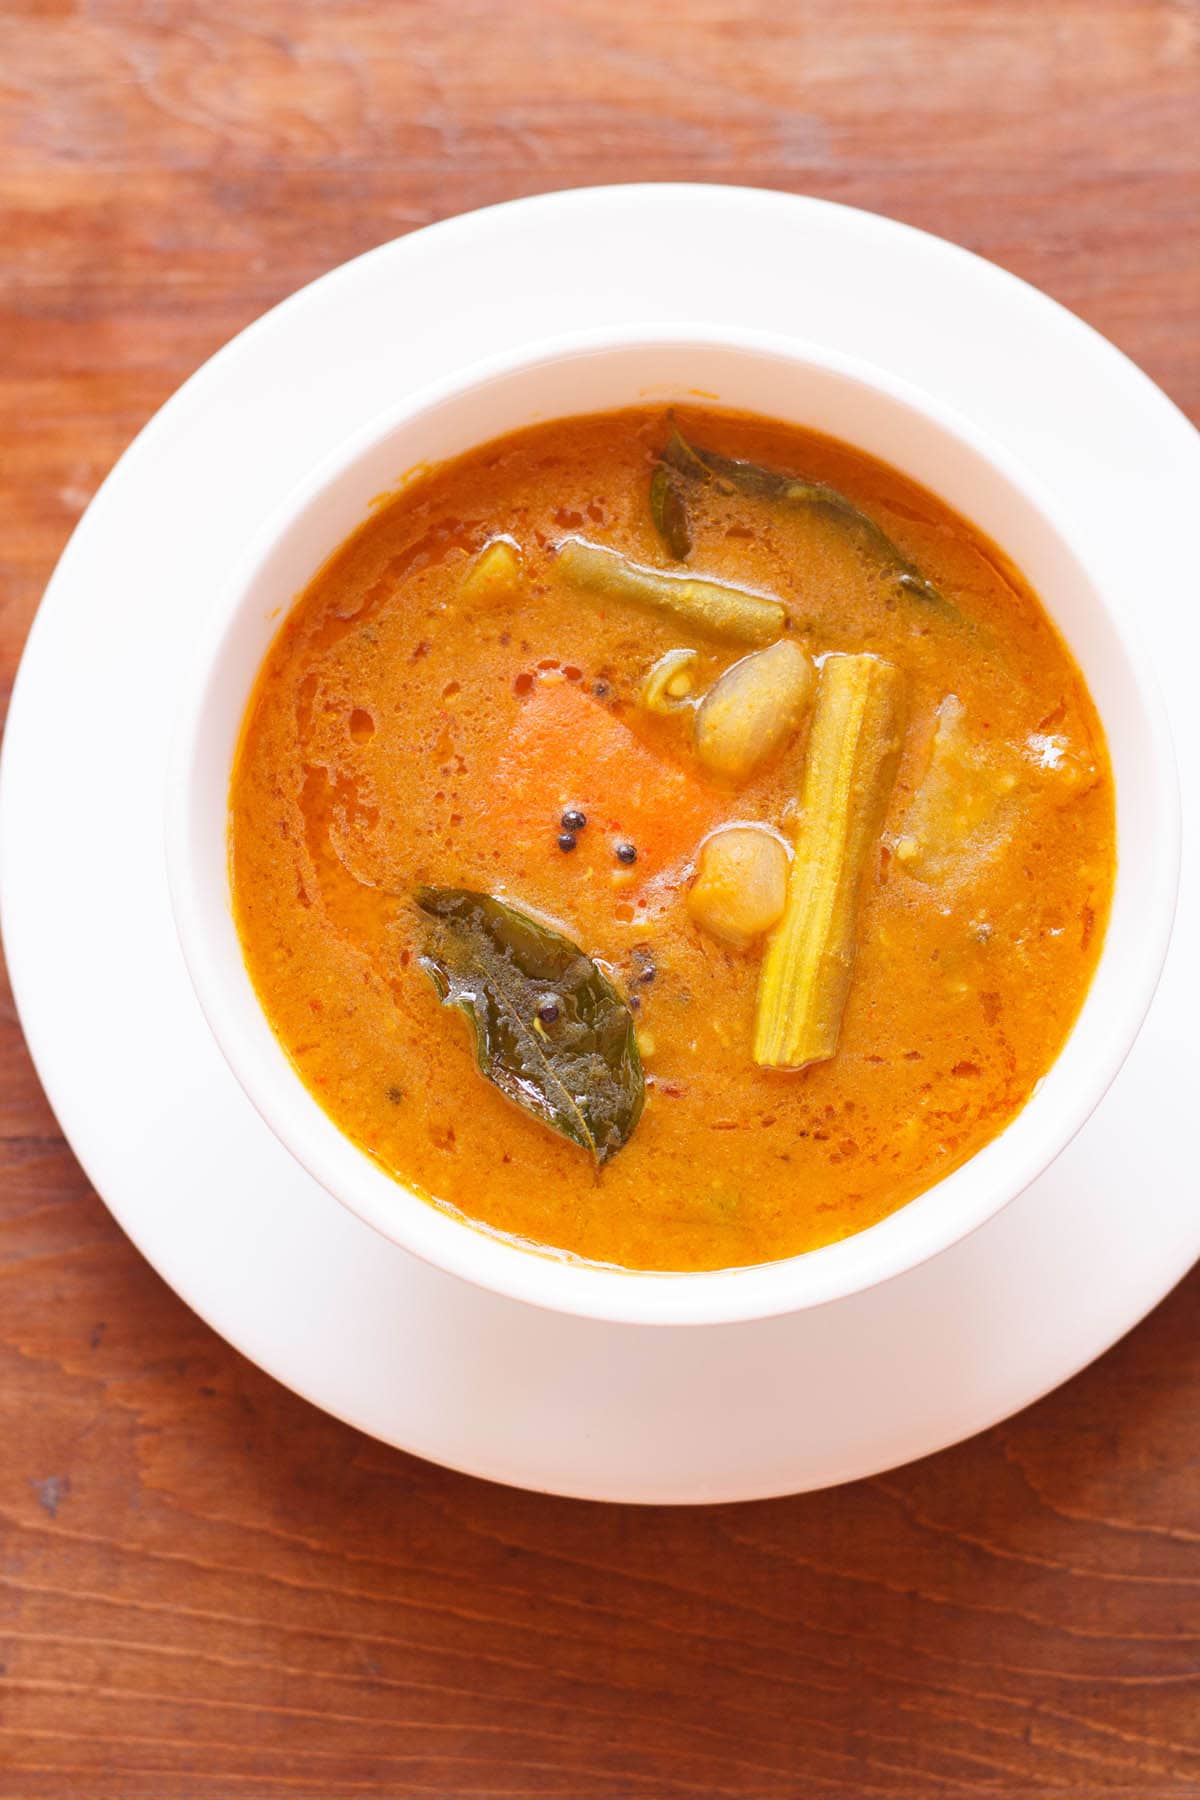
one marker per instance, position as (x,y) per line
(540,1276)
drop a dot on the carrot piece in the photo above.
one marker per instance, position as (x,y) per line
(567,751)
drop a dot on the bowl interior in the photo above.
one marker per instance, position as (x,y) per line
(796,384)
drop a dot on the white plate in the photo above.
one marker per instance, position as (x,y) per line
(267,1257)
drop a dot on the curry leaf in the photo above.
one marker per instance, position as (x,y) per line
(668,509)
(551,1031)
(729,475)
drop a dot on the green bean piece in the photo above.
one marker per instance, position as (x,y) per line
(710,606)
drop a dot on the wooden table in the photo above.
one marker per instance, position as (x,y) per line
(209,1590)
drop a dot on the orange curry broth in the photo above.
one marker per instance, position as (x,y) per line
(400,735)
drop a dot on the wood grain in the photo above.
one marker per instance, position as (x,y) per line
(209,1590)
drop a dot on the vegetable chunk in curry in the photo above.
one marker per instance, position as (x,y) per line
(672,841)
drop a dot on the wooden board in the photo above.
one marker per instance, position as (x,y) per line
(209,1590)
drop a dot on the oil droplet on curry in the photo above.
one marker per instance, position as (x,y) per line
(674,841)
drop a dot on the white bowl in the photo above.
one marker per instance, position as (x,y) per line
(801,384)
